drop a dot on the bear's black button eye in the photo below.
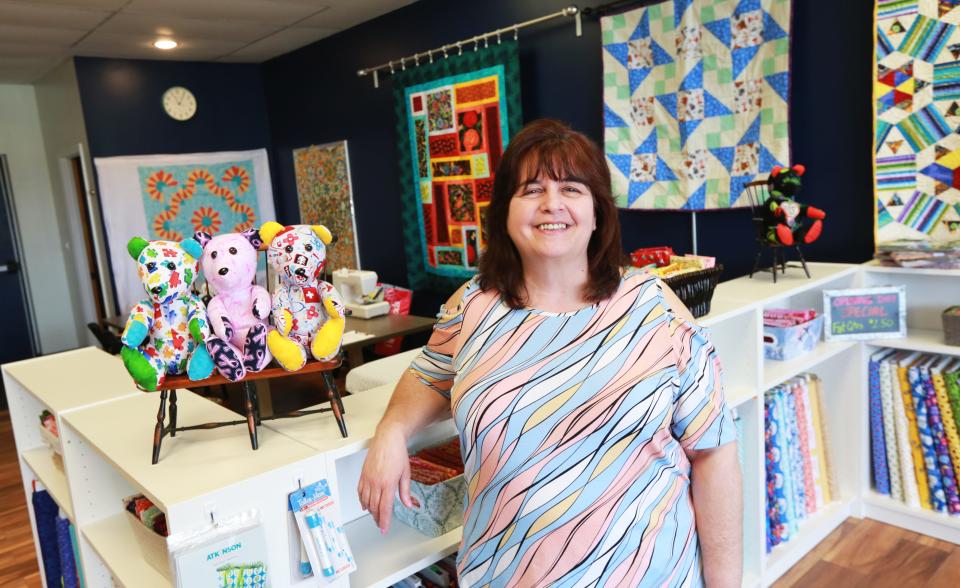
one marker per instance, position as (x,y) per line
(288,248)
(151,266)
(308,247)
(233,251)
(213,255)
(171,266)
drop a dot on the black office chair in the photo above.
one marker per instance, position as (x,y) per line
(107,339)
(757,194)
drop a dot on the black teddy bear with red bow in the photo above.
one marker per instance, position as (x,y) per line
(789,222)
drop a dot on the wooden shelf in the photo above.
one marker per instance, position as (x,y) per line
(385,559)
(40,460)
(193,463)
(885,509)
(115,543)
(53,378)
(811,531)
(776,372)
(926,340)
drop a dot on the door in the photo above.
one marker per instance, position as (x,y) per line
(19,340)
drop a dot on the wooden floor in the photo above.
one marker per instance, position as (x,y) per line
(859,554)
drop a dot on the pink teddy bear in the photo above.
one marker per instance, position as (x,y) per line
(239,313)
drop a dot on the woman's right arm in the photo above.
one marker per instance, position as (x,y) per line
(386,468)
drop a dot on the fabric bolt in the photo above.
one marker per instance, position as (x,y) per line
(946,414)
(803,420)
(815,449)
(890,431)
(948,480)
(789,512)
(573,427)
(938,498)
(914,457)
(878,449)
(797,478)
(68,565)
(738,422)
(45,512)
(76,556)
(952,379)
(816,396)
(776,530)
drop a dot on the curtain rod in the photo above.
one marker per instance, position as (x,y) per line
(458,46)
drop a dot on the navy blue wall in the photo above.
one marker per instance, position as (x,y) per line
(124,116)
(315,96)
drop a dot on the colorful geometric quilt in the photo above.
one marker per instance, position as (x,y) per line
(326,198)
(170,197)
(695,100)
(455,117)
(917,107)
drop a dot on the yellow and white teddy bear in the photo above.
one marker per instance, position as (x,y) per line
(307,311)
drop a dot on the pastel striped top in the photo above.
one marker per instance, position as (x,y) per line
(573,428)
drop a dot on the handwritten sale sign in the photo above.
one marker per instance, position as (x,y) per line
(865,313)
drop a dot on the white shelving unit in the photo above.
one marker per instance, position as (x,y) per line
(106,432)
(60,383)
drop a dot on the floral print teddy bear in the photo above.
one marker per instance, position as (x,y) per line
(165,333)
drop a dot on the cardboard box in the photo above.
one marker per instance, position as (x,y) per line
(783,343)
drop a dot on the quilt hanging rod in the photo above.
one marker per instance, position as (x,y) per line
(414,59)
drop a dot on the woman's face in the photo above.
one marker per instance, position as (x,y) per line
(551,220)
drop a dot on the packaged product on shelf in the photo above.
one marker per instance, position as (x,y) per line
(321,533)
(229,553)
(436,575)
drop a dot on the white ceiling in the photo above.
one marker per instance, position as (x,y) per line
(36,35)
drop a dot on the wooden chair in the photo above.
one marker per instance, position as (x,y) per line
(168,402)
(757,194)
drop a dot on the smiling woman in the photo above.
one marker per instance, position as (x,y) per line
(597,446)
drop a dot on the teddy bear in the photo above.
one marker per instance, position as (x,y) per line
(307,312)
(788,221)
(165,333)
(240,310)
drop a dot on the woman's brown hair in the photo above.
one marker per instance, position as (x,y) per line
(550,148)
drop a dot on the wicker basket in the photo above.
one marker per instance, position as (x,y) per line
(951,325)
(695,289)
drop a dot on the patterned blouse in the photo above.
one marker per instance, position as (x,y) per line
(573,427)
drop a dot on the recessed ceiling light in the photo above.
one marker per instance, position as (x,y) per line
(165,44)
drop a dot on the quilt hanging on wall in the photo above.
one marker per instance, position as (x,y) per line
(695,100)
(454,119)
(326,198)
(917,106)
(170,197)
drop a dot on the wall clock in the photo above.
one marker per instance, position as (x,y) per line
(179,103)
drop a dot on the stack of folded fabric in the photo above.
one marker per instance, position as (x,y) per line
(925,254)
(915,428)
(799,479)
(148,514)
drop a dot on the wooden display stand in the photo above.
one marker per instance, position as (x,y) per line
(168,399)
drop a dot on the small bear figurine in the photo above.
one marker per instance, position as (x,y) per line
(307,311)
(788,221)
(240,310)
(165,333)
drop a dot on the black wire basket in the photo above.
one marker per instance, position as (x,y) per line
(695,289)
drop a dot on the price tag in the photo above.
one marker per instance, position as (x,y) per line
(865,313)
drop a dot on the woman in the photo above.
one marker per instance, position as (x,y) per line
(596,442)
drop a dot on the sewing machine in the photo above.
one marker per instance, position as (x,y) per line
(359,291)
